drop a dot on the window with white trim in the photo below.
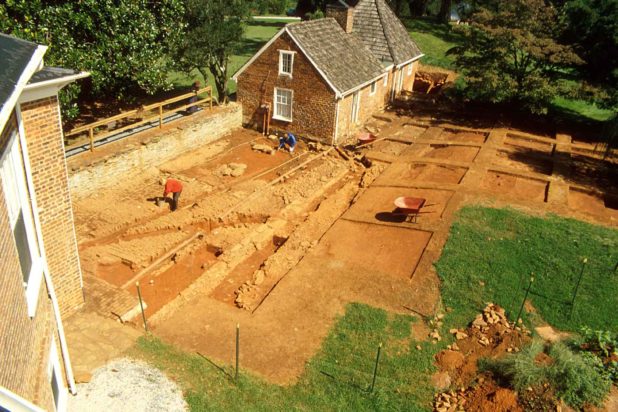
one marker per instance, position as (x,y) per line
(17,202)
(283,104)
(59,390)
(372,90)
(286,62)
(410,68)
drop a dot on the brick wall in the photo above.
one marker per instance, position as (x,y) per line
(86,177)
(24,342)
(343,15)
(408,78)
(313,107)
(46,152)
(369,105)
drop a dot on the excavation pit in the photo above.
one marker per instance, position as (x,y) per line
(520,187)
(523,159)
(452,152)
(592,202)
(408,175)
(376,205)
(452,135)
(520,141)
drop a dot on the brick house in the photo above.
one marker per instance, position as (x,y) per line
(323,78)
(40,277)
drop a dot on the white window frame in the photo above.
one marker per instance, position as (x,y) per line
(17,200)
(276,104)
(283,53)
(410,69)
(356,105)
(55,372)
(385,80)
(373,88)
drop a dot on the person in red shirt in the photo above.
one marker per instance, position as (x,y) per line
(174,187)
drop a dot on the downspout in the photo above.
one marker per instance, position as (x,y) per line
(37,225)
(336,121)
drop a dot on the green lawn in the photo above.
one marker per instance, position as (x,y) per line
(257,34)
(434,40)
(336,379)
(491,253)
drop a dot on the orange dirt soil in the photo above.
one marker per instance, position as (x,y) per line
(343,244)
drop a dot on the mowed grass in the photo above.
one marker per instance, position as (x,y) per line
(491,254)
(434,39)
(337,378)
(258,32)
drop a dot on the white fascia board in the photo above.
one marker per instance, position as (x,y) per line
(33,65)
(367,83)
(47,88)
(258,54)
(400,65)
(338,94)
(13,402)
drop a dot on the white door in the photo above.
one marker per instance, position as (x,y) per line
(355,106)
(400,81)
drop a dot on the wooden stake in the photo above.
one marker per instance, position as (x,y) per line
(581,275)
(375,368)
(141,305)
(524,301)
(237,350)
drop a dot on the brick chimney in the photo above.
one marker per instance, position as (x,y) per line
(343,13)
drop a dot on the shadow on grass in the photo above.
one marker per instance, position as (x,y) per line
(220,368)
(345,382)
(429,25)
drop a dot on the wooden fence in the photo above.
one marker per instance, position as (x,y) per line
(104,128)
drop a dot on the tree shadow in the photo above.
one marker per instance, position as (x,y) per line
(429,25)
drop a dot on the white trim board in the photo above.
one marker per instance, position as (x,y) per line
(33,65)
(47,88)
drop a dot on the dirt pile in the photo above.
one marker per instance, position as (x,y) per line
(489,336)
(428,82)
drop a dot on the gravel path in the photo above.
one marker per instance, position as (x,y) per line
(127,385)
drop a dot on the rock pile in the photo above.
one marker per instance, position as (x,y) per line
(450,401)
(262,148)
(232,169)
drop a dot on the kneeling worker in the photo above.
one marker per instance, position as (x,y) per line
(174,187)
(289,140)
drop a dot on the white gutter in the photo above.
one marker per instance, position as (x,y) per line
(55,82)
(367,83)
(13,402)
(336,121)
(48,281)
(47,88)
(400,65)
(33,65)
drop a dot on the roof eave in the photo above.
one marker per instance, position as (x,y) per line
(33,65)
(60,81)
(413,59)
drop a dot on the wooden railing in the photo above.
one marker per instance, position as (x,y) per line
(143,115)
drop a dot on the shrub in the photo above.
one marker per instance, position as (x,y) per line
(574,377)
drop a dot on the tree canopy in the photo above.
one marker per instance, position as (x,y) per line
(124,44)
(214,32)
(511,53)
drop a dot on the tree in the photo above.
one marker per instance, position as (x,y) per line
(592,27)
(124,44)
(511,54)
(418,8)
(214,32)
(397,6)
(444,15)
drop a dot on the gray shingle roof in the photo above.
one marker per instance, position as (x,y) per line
(342,58)
(15,54)
(377,26)
(51,73)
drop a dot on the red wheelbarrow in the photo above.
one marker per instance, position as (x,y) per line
(366,138)
(410,207)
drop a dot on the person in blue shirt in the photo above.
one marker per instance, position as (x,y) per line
(288,140)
